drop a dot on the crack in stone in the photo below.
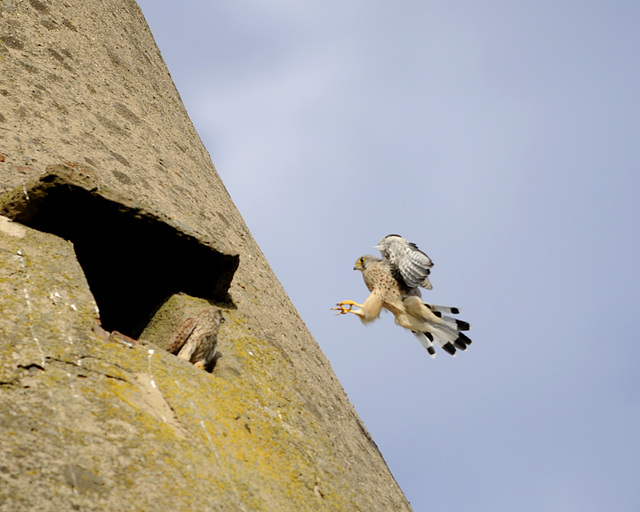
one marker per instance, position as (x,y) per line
(90,370)
(133,258)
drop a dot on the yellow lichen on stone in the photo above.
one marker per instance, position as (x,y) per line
(95,421)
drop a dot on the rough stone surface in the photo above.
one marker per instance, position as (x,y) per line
(92,421)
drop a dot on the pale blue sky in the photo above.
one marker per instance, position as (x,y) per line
(504,139)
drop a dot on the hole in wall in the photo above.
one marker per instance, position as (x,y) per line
(133,261)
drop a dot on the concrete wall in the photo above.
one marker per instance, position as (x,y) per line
(119,217)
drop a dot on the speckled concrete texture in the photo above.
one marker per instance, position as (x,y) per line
(92,420)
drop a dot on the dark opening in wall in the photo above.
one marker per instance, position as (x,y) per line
(133,261)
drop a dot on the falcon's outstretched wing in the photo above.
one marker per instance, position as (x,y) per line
(411,263)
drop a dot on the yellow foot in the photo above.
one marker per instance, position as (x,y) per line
(199,364)
(346,306)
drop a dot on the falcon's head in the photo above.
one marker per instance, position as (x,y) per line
(363,261)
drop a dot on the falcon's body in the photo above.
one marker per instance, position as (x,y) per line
(393,282)
(196,339)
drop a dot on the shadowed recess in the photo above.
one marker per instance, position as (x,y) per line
(132,259)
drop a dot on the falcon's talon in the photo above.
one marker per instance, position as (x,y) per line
(346,306)
(341,310)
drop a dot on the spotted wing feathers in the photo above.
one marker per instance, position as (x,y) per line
(412,264)
(181,335)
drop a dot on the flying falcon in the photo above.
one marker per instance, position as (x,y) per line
(196,339)
(394,283)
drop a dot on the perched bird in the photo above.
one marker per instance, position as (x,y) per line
(196,339)
(394,284)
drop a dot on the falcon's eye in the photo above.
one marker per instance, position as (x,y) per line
(361,261)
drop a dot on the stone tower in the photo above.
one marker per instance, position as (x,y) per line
(114,228)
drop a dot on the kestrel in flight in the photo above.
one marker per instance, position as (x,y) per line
(394,283)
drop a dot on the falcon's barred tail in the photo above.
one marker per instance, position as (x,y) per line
(447,340)
(426,340)
(450,339)
(454,324)
(429,321)
(447,334)
(443,309)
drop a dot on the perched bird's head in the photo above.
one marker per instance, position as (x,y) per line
(363,261)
